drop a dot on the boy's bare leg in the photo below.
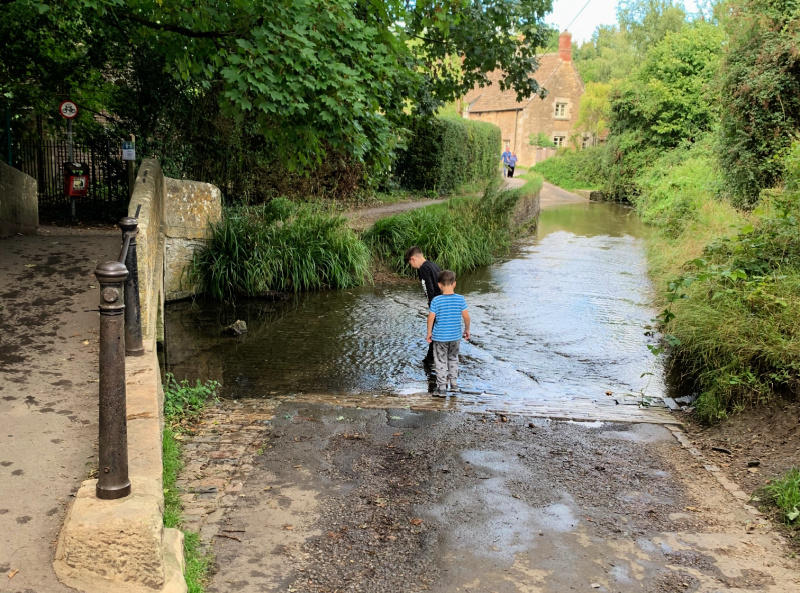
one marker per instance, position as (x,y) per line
(453,349)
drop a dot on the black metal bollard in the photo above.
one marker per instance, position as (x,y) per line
(134,346)
(112,482)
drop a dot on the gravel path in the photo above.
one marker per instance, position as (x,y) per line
(48,392)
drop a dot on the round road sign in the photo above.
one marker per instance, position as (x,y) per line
(68,109)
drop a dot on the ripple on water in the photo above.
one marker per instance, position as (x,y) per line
(563,317)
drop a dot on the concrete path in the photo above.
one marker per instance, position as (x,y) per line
(362,219)
(48,392)
(552,195)
(316,497)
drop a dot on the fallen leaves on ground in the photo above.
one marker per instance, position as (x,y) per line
(11,573)
(416,521)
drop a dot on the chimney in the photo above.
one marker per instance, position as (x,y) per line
(565,46)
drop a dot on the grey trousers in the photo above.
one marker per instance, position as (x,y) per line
(445,357)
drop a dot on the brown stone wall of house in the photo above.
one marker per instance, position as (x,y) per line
(564,86)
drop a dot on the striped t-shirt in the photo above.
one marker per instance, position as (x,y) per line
(447,325)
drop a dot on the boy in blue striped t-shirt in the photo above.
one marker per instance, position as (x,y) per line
(444,331)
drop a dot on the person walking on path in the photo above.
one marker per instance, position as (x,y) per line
(512,164)
(428,273)
(505,157)
(445,332)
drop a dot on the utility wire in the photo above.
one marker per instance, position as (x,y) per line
(569,25)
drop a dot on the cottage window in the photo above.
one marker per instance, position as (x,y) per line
(559,140)
(561,110)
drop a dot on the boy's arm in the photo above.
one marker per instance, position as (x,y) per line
(465,315)
(431,317)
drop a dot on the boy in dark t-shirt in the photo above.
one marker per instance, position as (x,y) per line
(428,273)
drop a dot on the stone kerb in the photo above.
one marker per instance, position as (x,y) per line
(19,202)
(190,208)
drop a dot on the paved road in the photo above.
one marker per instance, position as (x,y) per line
(48,392)
(552,195)
(315,497)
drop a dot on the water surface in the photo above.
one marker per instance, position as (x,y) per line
(564,316)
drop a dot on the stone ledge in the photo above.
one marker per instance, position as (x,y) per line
(121,546)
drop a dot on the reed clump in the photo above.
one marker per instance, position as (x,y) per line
(459,235)
(279,246)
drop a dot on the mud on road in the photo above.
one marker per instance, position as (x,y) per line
(333,499)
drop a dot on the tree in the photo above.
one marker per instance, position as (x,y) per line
(310,76)
(595,110)
(647,22)
(668,98)
(759,95)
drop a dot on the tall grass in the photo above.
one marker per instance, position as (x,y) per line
(729,284)
(279,246)
(459,235)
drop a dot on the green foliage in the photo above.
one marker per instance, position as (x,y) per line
(784,493)
(184,402)
(675,187)
(667,99)
(574,169)
(759,95)
(308,77)
(276,247)
(459,235)
(541,140)
(445,153)
(647,22)
(733,312)
(608,57)
(595,110)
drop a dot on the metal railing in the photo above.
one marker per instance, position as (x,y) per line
(120,335)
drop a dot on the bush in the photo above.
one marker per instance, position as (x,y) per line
(672,191)
(447,152)
(759,95)
(460,235)
(279,246)
(574,169)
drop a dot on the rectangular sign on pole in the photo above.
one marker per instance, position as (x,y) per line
(128,151)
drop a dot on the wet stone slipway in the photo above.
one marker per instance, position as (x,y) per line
(326,466)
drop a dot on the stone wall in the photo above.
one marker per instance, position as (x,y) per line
(190,208)
(19,202)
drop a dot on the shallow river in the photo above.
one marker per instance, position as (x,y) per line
(565,315)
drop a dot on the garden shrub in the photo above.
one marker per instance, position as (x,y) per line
(574,169)
(447,152)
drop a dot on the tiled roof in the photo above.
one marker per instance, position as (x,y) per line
(491,98)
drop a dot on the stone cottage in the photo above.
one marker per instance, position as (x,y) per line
(554,115)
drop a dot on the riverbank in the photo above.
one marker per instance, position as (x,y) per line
(289,247)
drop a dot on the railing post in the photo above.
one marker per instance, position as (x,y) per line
(134,346)
(112,482)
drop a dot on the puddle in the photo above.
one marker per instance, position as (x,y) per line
(562,318)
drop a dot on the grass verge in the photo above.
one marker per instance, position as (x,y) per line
(573,170)
(183,404)
(460,235)
(729,284)
(782,497)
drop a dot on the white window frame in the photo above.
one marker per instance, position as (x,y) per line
(561,110)
(559,141)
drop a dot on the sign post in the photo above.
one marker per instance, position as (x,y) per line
(69,110)
(129,156)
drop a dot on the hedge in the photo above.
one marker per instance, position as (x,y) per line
(446,152)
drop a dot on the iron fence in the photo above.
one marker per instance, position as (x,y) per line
(44,160)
